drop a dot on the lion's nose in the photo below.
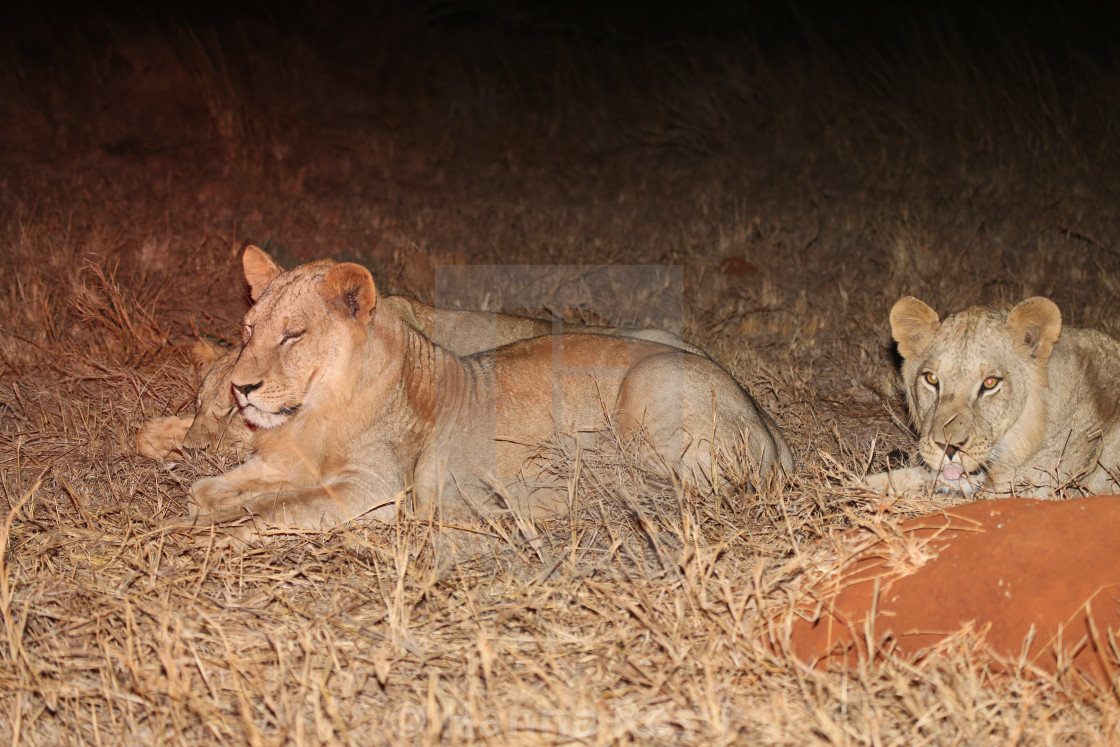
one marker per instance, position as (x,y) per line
(949,449)
(246,388)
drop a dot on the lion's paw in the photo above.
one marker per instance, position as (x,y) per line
(880,482)
(160,436)
(213,494)
(909,480)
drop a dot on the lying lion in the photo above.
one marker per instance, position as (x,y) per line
(1007,401)
(352,407)
(217,422)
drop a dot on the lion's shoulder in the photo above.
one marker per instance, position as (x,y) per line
(1085,368)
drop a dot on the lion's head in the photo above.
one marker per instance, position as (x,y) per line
(976,385)
(299,337)
(216,421)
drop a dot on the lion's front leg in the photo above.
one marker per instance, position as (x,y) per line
(235,488)
(255,489)
(906,481)
(213,494)
(322,507)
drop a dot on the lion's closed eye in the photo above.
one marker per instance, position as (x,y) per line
(291,336)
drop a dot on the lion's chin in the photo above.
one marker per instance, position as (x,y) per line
(258,418)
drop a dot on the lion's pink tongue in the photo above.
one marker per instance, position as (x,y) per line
(951,472)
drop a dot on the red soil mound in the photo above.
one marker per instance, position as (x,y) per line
(1001,565)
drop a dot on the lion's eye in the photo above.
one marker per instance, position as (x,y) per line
(931,378)
(290,337)
(246,333)
(989,383)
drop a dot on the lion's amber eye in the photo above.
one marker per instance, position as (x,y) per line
(989,383)
(931,378)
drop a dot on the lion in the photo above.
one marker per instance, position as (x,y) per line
(354,410)
(217,422)
(1007,401)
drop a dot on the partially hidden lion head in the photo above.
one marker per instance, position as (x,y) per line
(299,336)
(976,385)
(216,421)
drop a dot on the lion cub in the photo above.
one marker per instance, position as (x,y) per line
(352,407)
(1007,401)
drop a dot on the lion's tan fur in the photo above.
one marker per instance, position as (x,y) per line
(1050,419)
(354,408)
(217,423)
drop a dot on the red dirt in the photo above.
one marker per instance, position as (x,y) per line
(1003,565)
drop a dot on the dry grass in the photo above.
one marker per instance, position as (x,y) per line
(849,169)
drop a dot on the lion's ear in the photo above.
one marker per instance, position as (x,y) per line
(913,323)
(1035,325)
(260,270)
(348,288)
(203,354)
